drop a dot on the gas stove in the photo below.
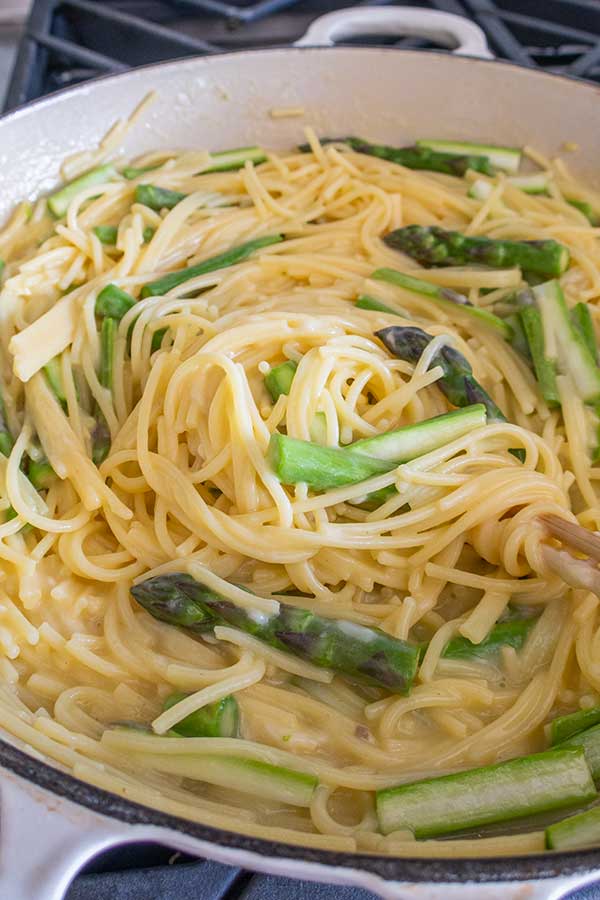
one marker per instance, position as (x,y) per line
(66,42)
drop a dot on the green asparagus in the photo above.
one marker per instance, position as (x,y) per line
(106,234)
(576,832)
(444,296)
(58,203)
(279,379)
(545,370)
(157,198)
(565,727)
(363,654)
(498,793)
(6,438)
(148,234)
(416,157)
(40,473)
(131,172)
(2,267)
(101,431)
(372,303)
(587,209)
(570,353)
(223,260)
(53,373)
(507,159)
(589,741)
(227,160)
(322,468)
(581,318)
(220,719)
(433,246)
(511,633)
(457,383)
(113,302)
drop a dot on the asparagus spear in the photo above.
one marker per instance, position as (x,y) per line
(101,432)
(576,832)
(545,370)
(279,380)
(363,654)
(148,233)
(589,742)
(2,267)
(131,172)
(220,719)
(444,296)
(325,467)
(506,158)
(587,209)
(457,382)
(227,160)
(416,157)
(565,727)
(433,246)
(497,793)
(372,303)
(6,438)
(106,234)
(158,198)
(58,202)
(581,318)
(40,473)
(511,633)
(113,302)
(53,373)
(221,261)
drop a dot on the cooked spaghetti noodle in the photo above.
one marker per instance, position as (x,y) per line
(187,486)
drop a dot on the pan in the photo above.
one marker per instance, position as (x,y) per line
(51,823)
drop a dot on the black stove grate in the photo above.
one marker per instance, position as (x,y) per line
(67,42)
(70,41)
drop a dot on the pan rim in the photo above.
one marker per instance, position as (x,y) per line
(456,870)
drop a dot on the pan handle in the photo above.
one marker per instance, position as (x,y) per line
(455,32)
(45,840)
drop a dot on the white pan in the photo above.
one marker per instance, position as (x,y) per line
(51,823)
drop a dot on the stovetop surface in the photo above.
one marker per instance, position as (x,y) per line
(70,41)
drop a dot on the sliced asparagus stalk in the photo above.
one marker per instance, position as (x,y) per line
(40,473)
(322,468)
(433,246)
(158,198)
(497,793)
(565,727)
(444,296)
(58,202)
(157,339)
(576,832)
(148,233)
(529,184)
(512,633)
(570,352)
(101,431)
(457,382)
(416,157)
(582,321)
(363,654)
(518,340)
(2,267)
(131,172)
(247,776)
(223,260)
(53,372)
(220,719)
(106,234)
(279,379)
(589,742)
(508,159)
(6,438)
(227,160)
(545,370)
(113,302)
(587,209)
(366,302)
